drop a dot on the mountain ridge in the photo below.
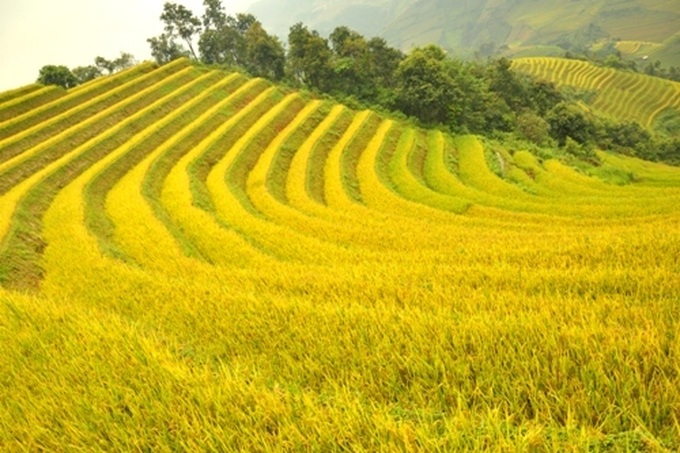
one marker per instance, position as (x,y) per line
(488,27)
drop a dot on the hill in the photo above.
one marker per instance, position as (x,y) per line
(196,260)
(626,95)
(511,27)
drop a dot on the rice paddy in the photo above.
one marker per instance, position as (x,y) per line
(194,260)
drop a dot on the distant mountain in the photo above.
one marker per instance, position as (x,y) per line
(369,17)
(485,27)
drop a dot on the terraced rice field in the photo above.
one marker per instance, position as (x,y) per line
(193,260)
(619,94)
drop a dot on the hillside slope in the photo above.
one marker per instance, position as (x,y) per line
(619,94)
(467,27)
(195,260)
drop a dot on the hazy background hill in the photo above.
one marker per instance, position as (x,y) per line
(484,27)
(369,17)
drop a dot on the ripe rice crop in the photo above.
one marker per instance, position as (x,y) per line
(195,260)
(619,94)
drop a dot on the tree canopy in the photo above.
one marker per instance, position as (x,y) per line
(57,75)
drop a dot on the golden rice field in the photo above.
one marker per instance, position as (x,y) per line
(623,95)
(198,261)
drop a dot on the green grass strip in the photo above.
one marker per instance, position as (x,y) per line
(277,173)
(75,100)
(215,125)
(224,138)
(23,246)
(9,95)
(204,93)
(351,155)
(15,171)
(30,101)
(257,141)
(405,183)
(335,193)
(318,156)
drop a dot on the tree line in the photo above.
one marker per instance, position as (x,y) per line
(69,78)
(426,85)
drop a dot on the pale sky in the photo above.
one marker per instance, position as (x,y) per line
(35,33)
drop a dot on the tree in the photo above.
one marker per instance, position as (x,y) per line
(181,22)
(224,39)
(351,64)
(385,61)
(568,120)
(424,89)
(628,135)
(86,73)
(57,75)
(543,96)
(214,16)
(164,49)
(507,85)
(104,65)
(533,128)
(309,58)
(124,61)
(265,56)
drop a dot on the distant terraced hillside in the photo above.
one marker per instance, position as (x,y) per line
(195,260)
(515,27)
(619,94)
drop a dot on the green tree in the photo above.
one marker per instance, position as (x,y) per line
(265,56)
(508,85)
(124,61)
(533,128)
(214,16)
(224,38)
(384,62)
(86,73)
(164,49)
(628,135)
(57,75)
(104,65)
(424,88)
(569,121)
(543,96)
(181,22)
(351,64)
(309,58)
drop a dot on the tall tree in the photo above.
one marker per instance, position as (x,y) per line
(214,16)
(164,49)
(264,53)
(424,88)
(309,58)
(181,22)
(224,39)
(352,66)
(104,64)
(385,61)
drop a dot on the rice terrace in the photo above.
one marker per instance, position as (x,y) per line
(193,259)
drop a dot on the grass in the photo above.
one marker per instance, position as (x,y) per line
(299,276)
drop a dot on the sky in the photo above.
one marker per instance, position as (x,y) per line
(35,33)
